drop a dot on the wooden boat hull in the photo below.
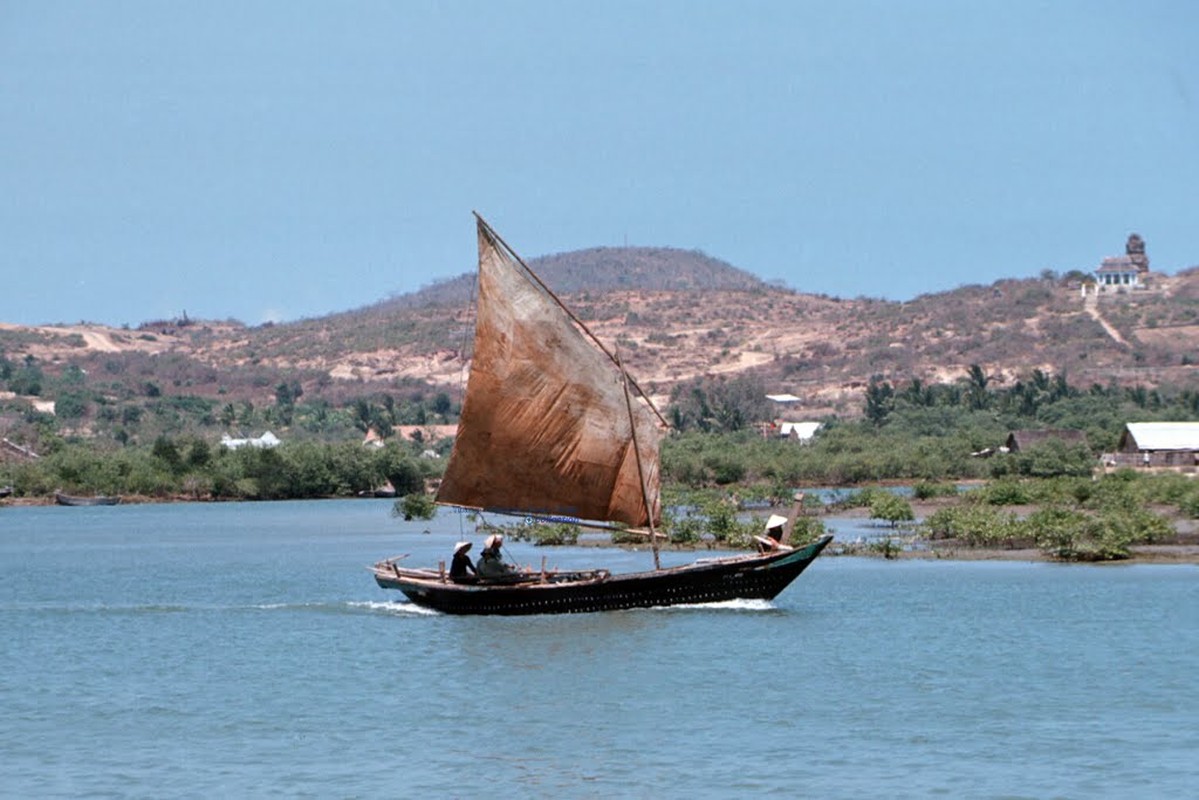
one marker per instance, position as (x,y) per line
(748,577)
(72,500)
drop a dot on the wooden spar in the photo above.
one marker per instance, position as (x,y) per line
(649,509)
(789,526)
(537,517)
(537,279)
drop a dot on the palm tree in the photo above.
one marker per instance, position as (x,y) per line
(977,389)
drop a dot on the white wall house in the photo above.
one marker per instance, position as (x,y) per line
(267,439)
(1118,272)
(802,432)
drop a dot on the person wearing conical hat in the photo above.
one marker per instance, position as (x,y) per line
(491,562)
(462,568)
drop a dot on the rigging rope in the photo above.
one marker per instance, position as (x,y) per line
(463,372)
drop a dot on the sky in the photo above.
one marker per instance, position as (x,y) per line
(275,160)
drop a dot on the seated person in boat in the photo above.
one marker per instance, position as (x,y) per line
(773,540)
(491,563)
(462,569)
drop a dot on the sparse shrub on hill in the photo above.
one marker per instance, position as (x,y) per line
(27,379)
(72,405)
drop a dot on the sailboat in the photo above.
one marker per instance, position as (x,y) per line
(552,427)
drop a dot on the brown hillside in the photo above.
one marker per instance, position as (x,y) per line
(822,349)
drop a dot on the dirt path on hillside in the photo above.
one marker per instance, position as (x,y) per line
(98,339)
(1091,304)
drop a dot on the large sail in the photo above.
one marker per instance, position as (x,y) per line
(545,426)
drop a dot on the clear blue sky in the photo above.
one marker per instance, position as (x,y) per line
(277,160)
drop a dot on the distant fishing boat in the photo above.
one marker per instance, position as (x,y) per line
(74,500)
(551,429)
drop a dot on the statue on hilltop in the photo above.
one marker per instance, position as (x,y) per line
(1135,249)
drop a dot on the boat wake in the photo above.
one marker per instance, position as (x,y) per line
(395,607)
(97,608)
(738,604)
(401,608)
(137,609)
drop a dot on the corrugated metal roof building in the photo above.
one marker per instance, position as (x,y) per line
(1160,444)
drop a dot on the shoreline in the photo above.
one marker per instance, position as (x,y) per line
(915,549)
(1140,554)
(1171,553)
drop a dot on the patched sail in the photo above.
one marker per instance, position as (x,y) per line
(545,425)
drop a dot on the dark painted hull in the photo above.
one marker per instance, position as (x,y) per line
(749,577)
(71,500)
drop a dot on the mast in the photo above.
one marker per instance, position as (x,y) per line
(649,509)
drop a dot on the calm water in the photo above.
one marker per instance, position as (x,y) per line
(242,650)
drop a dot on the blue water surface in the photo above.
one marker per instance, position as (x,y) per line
(201,650)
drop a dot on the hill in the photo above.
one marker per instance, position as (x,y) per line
(721,321)
(600,269)
(677,316)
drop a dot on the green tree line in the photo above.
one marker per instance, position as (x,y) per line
(907,432)
(913,431)
(192,468)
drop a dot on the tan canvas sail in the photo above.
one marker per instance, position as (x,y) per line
(545,427)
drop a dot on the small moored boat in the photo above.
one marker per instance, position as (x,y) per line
(76,500)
